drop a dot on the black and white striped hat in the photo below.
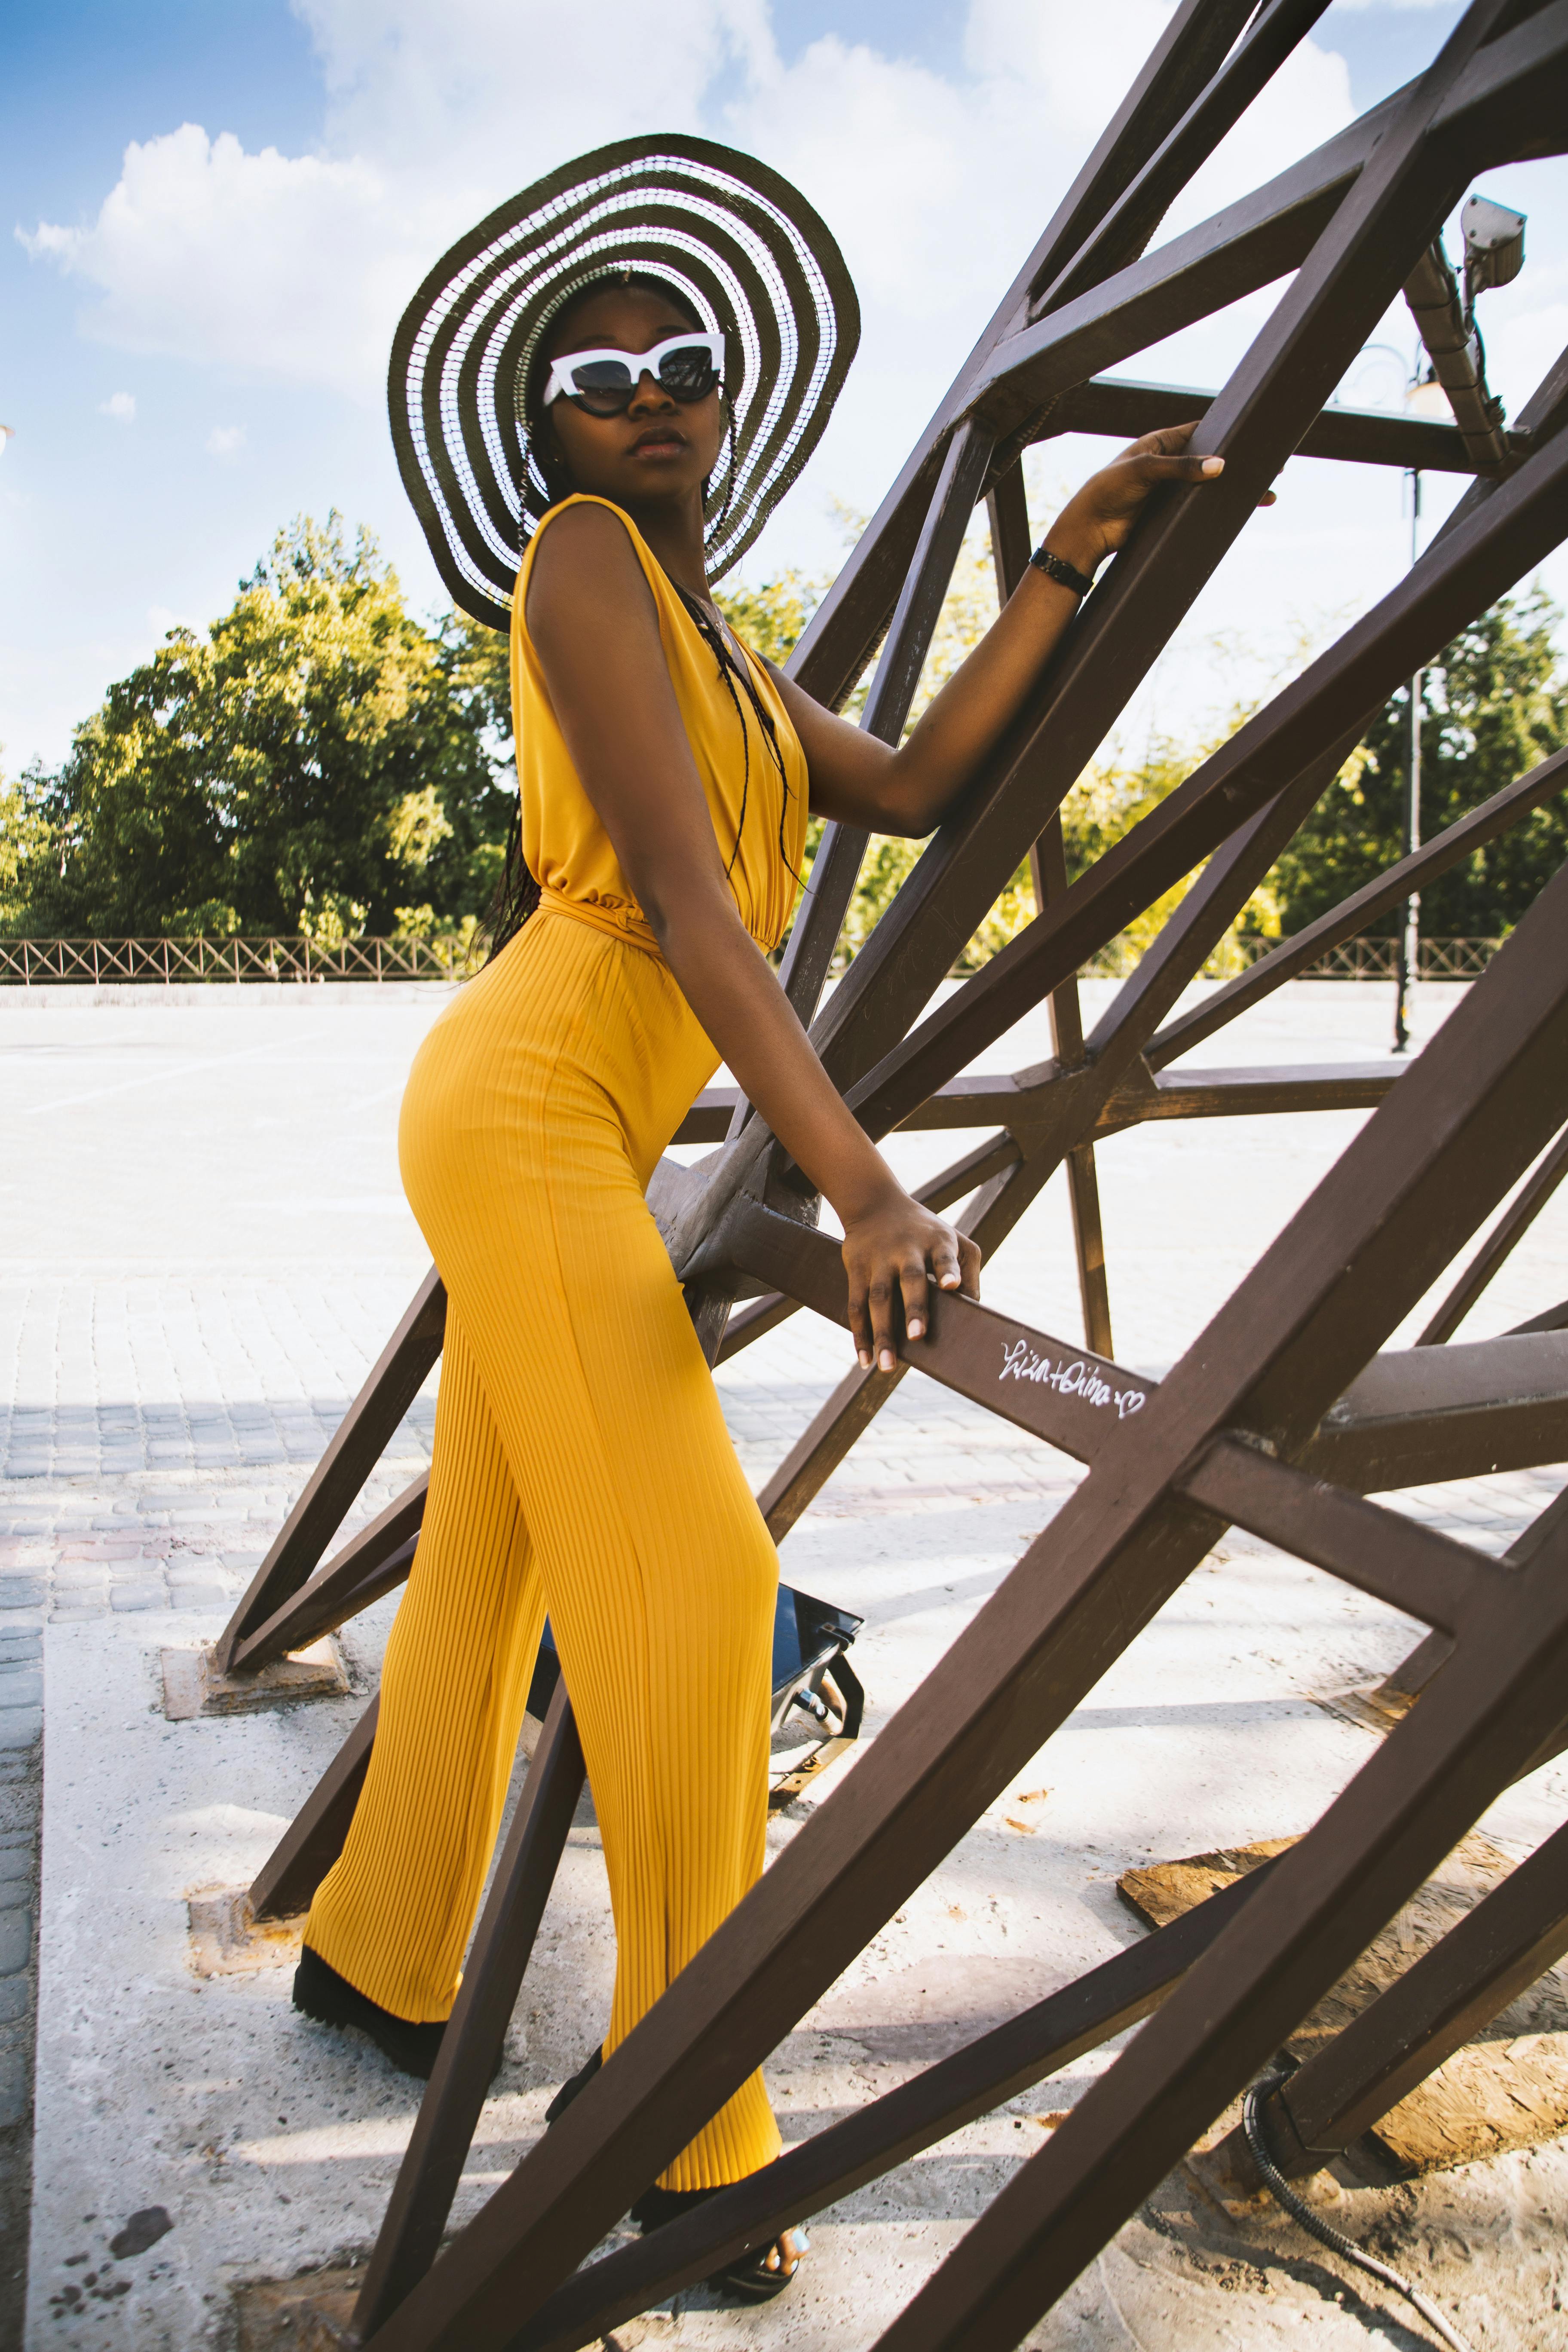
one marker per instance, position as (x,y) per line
(751,256)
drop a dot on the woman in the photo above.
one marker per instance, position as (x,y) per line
(581,1461)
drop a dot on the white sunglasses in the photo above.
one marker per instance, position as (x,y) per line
(604,381)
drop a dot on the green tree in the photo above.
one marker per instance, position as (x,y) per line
(321,762)
(1492,704)
(771,618)
(25,844)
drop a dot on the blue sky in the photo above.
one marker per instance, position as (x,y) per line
(214,212)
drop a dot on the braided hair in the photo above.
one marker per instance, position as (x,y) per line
(729,669)
(517,892)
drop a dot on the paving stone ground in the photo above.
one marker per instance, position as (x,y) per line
(204,1245)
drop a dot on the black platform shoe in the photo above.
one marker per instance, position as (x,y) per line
(323,1994)
(758,2275)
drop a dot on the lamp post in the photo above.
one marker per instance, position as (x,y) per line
(1423,396)
(1408,954)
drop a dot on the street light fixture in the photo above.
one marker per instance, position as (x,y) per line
(1494,247)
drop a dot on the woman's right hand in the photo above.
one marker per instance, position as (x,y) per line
(892,1250)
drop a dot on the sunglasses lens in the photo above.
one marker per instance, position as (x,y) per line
(602,386)
(689,374)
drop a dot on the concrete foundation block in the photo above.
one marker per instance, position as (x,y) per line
(192,1686)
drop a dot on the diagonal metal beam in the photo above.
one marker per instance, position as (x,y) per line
(1048,873)
(375,1562)
(1503,104)
(288,1878)
(1420,1415)
(1378,1844)
(836,867)
(493,1971)
(1414,1568)
(863,2147)
(1492,1955)
(1499,1245)
(1278,29)
(1293,956)
(355,1447)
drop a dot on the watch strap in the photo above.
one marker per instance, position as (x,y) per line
(1056,567)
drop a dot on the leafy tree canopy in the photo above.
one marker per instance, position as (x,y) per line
(1493,706)
(320,763)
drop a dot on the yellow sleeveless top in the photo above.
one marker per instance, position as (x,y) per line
(568,851)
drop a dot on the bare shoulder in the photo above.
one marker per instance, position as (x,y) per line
(587,566)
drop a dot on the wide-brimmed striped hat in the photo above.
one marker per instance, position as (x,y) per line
(748,253)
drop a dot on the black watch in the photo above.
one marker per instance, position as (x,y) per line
(1056,567)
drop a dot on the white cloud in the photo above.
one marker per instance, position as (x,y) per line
(497,90)
(296,267)
(225,441)
(121,406)
(283,265)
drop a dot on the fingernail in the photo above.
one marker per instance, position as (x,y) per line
(865,1361)
(1213,464)
(950,1281)
(916,1329)
(887,1361)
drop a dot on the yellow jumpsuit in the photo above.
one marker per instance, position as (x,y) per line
(582,1467)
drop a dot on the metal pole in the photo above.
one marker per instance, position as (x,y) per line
(1409,956)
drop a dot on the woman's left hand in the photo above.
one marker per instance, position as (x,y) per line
(1097,520)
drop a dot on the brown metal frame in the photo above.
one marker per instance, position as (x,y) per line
(1281,1418)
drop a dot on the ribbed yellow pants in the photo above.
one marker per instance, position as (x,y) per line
(581,1467)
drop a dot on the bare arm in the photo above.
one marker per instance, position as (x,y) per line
(595,625)
(910,790)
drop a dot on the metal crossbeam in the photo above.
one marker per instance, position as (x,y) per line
(1124,409)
